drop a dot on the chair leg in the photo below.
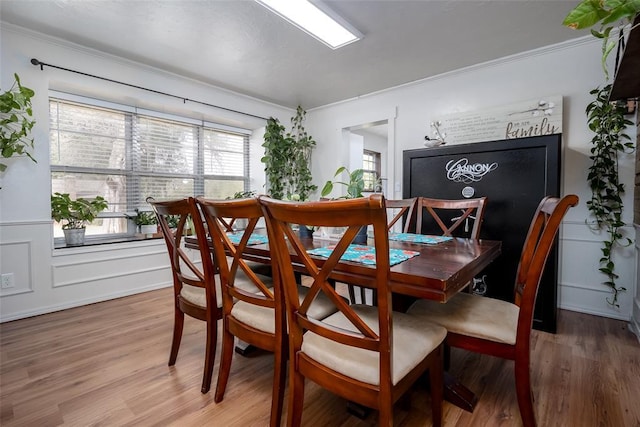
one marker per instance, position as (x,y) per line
(352,294)
(436,378)
(210,354)
(225,365)
(279,378)
(523,391)
(385,414)
(178,323)
(296,398)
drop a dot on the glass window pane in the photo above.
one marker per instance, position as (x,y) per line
(219,189)
(166,147)
(87,137)
(163,188)
(224,153)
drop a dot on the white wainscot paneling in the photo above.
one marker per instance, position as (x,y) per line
(16,259)
(580,287)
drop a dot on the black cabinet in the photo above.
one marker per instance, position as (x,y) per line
(514,175)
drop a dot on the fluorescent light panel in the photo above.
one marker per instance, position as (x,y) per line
(315,21)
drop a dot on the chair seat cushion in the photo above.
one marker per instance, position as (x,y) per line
(196,295)
(413,340)
(263,318)
(471,315)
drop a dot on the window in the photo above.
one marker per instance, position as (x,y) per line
(127,155)
(371,171)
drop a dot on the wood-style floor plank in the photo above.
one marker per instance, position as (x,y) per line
(106,365)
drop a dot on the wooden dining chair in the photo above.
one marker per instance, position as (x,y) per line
(499,328)
(253,305)
(450,217)
(396,210)
(366,354)
(195,289)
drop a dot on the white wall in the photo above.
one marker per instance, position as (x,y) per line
(47,279)
(571,70)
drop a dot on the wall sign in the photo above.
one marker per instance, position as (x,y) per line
(536,117)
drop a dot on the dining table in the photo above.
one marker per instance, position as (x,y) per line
(438,272)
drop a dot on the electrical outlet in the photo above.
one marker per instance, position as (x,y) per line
(7,281)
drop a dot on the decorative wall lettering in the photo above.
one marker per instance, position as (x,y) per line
(530,118)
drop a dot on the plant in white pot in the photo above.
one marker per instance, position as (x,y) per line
(146,221)
(74,214)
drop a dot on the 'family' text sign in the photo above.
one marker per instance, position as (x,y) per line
(530,118)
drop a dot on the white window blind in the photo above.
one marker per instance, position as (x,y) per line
(126,157)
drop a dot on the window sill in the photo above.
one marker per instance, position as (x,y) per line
(99,241)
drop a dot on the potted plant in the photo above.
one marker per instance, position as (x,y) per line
(146,221)
(606,119)
(355,187)
(74,214)
(15,122)
(287,158)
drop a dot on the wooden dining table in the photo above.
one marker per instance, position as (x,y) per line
(438,273)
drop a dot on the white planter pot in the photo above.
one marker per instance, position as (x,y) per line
(148,230)
(74,236)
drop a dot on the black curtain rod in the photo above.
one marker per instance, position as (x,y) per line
(36,62)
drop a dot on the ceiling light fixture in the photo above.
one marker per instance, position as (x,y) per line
(316,20)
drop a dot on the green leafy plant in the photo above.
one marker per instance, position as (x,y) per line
(355,185)
(609,13)
(243,194)
(287,158)
(15,122)
(144,217)
(74,214)
(606,119)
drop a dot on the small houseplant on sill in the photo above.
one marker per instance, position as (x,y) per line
(146,221)
(74,214)
(355,187)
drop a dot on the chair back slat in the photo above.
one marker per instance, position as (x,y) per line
(230,256)
(289,249)
(537,246)
(450,215)
(187,212)
(406,207)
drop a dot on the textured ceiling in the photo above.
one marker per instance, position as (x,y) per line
(239,45)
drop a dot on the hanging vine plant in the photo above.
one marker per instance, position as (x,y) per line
(606,119)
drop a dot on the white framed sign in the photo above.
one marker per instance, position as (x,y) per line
(536,117)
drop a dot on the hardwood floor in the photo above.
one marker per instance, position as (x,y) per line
(106,365)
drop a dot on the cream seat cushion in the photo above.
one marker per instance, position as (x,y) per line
(413,340)
(196,294)
(263,318)
(471,315)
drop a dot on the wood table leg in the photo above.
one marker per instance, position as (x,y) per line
(456,393)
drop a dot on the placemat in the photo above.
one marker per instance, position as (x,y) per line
(254,239)
(365,254)
(418,238)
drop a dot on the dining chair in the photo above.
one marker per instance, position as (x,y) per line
(252,304)
(500,328)
(366,354)
(195,289)
(396,210)
(446,217)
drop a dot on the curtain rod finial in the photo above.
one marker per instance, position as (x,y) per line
(34,61)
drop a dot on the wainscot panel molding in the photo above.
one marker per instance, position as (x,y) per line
(580,287)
